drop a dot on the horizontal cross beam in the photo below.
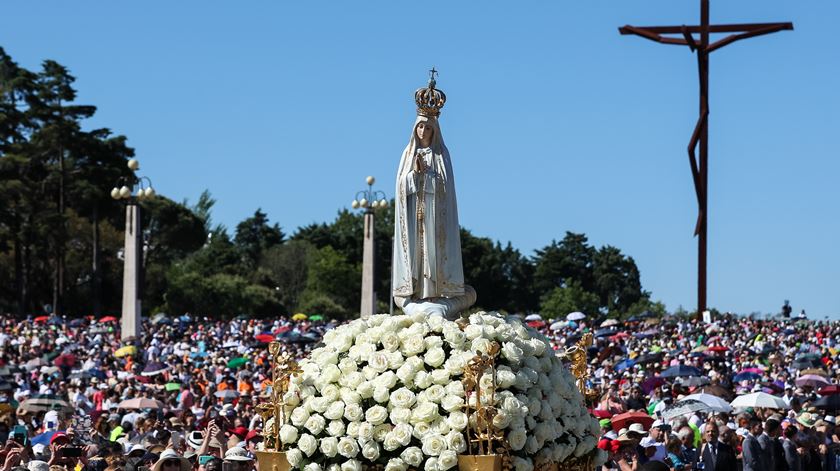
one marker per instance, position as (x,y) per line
(733,28)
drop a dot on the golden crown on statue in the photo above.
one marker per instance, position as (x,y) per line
(429,99)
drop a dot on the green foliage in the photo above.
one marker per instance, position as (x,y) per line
(331,275)
(254,236)
(571,297)
(287,269)
(501,276)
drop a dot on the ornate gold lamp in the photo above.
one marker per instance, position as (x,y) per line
(273,411)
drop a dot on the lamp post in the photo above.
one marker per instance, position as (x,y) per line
(131,190)
(370,201)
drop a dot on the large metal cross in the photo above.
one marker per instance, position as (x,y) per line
(699,170)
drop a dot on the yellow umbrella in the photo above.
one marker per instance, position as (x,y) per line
(125,351)
(299,317)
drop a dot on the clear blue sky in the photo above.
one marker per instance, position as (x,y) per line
(555,122)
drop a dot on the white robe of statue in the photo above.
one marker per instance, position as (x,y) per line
(428,274)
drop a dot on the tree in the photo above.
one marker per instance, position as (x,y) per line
(571,258)
(332,276)
(617,280)
(502,277)
(571,297)
(287,267)
(254,235)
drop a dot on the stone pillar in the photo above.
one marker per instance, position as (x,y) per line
(132,275)
(368,260)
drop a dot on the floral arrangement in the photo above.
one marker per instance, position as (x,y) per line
(387,391)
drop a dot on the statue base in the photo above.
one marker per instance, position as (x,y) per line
(449,308)
(272,461)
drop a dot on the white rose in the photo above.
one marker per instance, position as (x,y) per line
(334,467)
(353,429)
(366,431)
(501,419)
(503,332)
(288,434)
(455,442)
(440,376)
(346,365)
(455,388)
(400,415)
(435,323)
(307,444)
(330,374)
(522,464)
(473,331)
(376,415)
(329,446)
(396,464)
(454,337)
(291,398)
(505,378)
(432,341)
(422,380)
(412,455)
(412,345)
(335,411)
(532,445)
(434,357)
(365,389)
(455,364)
(441,426)
(424,412)
(457,420)
(447,459)
(348,396)
(380,394)
(351,380)
(348,448)
(435,393)
(388,379)
(369,373)
(431,464)
(452,403)
(517,438)
(370,450)
(351,465)
(512,353)
(390,341)
(395,360)
(380,431)
(353,412)
(405,373)
(323,357)
(402,397)
(319,404)
(433,444)
(421,429)
(299,416)
(539,346)
(480,345)
(390,443)
(336,428)
(403,433)
(378,361)
(294,456)
(315,424)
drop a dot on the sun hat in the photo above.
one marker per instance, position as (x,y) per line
(647,442)
(830,419)
(637,428)
(170,454)
(137,448)
(237,454)
(806,419)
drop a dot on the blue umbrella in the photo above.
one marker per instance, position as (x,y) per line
(681,370)
(44,438)
(624,364)
(746,376)
(76,322)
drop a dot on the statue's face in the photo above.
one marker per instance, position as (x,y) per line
(424,132)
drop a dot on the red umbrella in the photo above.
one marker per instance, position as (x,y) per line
(601,414)
(68,360)
(536,324)
(41,319)
(282,329)
(828,390)
(108,319)
(718,348)
(264,338)
(624,420)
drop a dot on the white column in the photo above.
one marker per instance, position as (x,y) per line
(130,321)
(368,255)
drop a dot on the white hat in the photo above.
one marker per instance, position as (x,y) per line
(170,454)
(637,428)
(657,423)
(611,435)
(830,419)
(237,454)
(37,465)
(137,447)
(647,442)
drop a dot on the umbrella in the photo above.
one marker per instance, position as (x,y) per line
(699,349)
(536,324)
(154,368)
(715,403)
(759,399)
(80,375)
(830,402)
(237,362)
(575,316)
(652,383)
(316,317)
(814,371)
(41,319)
(299,317)
(649,358)
(44,438)
(717,390)
(752,369)
(815,381)
(9,370)
(601,414)
(681,370)
(829,390)
(533,317)
(609,323)
(172,387)
(282,328)
(624,364)
(67,359)
(746,376)
(684,407)
(264,338)
(76,322)
(557,325)
(108,319)
(34,364)
(621,421)
(125,351)
(604,332)
(718,349)
(46,402)
(693,381)
(140,403)
(803,364)
(227,394)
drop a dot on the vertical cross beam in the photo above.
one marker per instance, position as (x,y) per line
(700,136)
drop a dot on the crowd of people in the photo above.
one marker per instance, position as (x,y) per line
(670,393)
(731,394)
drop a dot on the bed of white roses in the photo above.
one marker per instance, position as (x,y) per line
(387,390)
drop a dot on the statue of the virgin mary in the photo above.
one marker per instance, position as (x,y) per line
(428,275)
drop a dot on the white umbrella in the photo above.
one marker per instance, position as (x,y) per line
(557,325)
(609,323)
(759,399)
(533,317)
(140,403)
(575,316)
(684,407)
(715,403)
